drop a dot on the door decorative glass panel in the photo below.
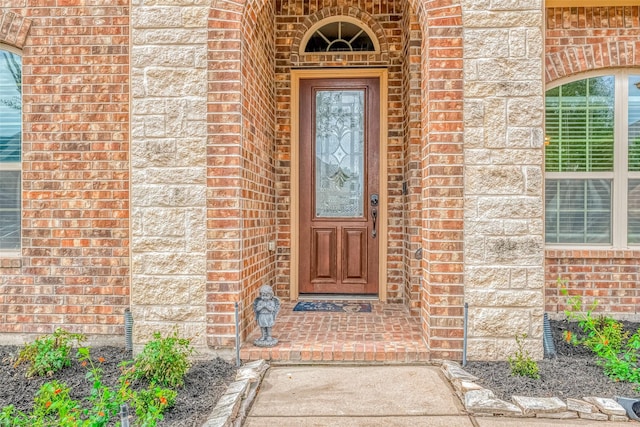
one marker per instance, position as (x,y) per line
(339,150)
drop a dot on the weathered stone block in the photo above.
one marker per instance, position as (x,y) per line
(495,322)
(494,179)
(539,405)
(486,43)
(596,416)
(606,406)
(484,401)
(565,415)
(517,250)
(511,207)
(483,277)
(454,371)
(581,406)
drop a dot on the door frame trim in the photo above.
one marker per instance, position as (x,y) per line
(294,211)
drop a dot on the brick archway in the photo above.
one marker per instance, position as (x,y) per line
(577,59)
(436,137)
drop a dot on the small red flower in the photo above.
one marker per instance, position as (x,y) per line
(163,400)
(567,336)
(46,405)
(84,363)
(58,391)
(101,414)
(101,359)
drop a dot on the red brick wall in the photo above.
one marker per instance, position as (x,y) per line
(74,266)
(240,155)
(587,38)
(578,40)
(442,297)
(258,195)
(412,179)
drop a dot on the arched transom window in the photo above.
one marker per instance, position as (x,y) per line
(339,34)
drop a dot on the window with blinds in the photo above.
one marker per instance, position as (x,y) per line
(579,121)
(592,161)
(10,149)
(633,135)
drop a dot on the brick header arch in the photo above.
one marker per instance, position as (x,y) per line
(349,11)
(14,29)
(590,38)
(577,59)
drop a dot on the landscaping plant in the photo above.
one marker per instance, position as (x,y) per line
(616,349)
(164,361)
(53,406)
(521,363)
(49,353)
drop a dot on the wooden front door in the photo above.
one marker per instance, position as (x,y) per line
(339,185)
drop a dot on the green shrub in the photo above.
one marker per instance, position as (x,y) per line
(521,363)
(616,349)
(164,361)
(49,353)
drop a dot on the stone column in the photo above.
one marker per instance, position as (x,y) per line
(503,137)
(168,158)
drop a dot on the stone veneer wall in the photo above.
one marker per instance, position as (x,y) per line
(169,167)
(504,110)
(73,269)
(581,39)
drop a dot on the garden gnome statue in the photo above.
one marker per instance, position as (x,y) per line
(266,308)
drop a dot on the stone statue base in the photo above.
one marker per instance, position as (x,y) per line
(265,342)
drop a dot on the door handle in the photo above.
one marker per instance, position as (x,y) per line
(374,215)
(374,200)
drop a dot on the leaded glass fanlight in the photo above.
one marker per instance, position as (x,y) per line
(339,34)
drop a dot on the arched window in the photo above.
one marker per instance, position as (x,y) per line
(339,34)
(592,161)
(10,149)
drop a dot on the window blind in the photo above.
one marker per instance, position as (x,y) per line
(580,126)
(10,149)
(578,210)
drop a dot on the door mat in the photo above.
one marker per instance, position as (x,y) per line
(349,307)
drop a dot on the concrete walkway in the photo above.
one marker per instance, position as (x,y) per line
(402,395)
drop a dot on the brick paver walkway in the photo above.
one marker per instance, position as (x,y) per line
(387,334)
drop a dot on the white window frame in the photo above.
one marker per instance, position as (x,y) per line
(15,166)
(339,18)
(620,175)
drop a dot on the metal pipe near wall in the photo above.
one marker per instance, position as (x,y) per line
(237,314)
(128,329)
(464,337)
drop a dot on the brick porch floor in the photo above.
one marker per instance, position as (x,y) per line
(387,334)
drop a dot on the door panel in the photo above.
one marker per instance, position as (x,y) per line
(323,254)
(339,150)
(354,255)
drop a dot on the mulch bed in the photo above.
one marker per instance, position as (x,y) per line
(574,373)
(205,382)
